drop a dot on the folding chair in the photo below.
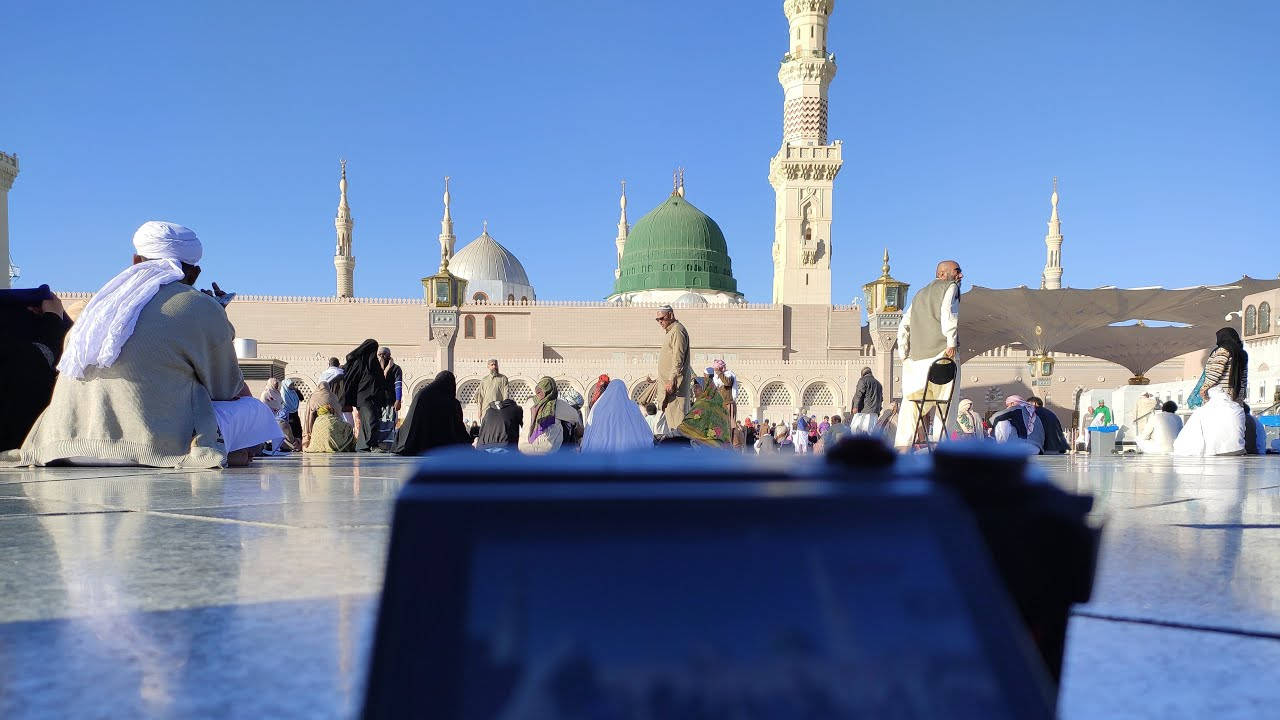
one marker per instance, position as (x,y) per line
(940,381)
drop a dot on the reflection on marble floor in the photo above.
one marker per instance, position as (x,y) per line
(251,592)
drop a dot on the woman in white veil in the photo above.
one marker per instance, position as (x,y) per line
(616,423)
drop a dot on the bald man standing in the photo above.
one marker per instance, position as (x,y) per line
(927,333)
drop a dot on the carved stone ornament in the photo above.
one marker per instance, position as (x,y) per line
(808,171)
(796,7)
(820,70)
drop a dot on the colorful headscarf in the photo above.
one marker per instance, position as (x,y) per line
(597,390)
(543,414)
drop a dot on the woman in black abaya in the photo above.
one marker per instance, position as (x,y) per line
(434,419)
(365,389)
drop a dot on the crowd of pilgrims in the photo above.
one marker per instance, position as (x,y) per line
(148,375)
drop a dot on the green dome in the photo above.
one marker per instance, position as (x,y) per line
(676,246)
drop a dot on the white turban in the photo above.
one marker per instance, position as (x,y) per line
(158,240)
(109,318)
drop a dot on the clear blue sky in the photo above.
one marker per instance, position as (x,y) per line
(1161,119)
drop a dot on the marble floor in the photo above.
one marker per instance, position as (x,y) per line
(251,592)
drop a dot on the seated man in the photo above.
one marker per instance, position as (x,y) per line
(148,373)
(1158,432)
(1019,421)
(1055,440)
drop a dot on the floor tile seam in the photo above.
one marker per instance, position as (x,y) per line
(225,521)
(122,611)
(1177,625)
(287,503)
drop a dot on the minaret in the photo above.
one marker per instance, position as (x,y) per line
(8,172)
(1052,277)
(343,261)
(623,229)
(447,238)
(803,171)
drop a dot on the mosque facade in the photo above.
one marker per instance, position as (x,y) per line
(796,353)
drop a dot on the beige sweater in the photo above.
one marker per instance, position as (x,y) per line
(153,406)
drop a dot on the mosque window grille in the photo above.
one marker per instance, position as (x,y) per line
(469,326)
(775,394)
(303,387)
(564,386)
(467,391)
(1264,317)
(480,298)
(511,298)
(490,327)
(1251,320)
(520,391)
(740,395)
(818,394)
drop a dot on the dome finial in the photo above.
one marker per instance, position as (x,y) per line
(885,268)
(680,185)
(484,227)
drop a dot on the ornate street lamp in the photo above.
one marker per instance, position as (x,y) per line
(444,289)
(884,294)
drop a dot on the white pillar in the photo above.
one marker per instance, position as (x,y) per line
(8,171)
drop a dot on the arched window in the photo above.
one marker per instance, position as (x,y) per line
(1264,317)
(469,326)
(480,298)
(490,327)
(1250,320)
(818,394)
(524,299)
(775,394)
(511,299)
(467,391)
(520,391)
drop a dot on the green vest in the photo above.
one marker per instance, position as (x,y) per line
(926,338)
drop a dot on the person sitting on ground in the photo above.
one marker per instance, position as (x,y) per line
(593,396)
(329,433)
(1217,427)
(274,400)
(569,415)
(322,396)
(707,422)
(836,432)
(32,328)
(500,427)
(434,419)
(1160,430)
(618,425)
(1255,433)
(473,430)
(968,424)
(1055,441)
(543,433)
(655,419)
(149,374)
(1019,421)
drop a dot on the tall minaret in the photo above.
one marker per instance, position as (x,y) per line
(1052,277)
(343,261)
(8,172)
(447,238)
(623,229)
(803,171)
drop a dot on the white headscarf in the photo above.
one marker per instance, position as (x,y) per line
(616,423)
(109,318)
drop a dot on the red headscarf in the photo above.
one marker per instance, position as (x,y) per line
(601,383)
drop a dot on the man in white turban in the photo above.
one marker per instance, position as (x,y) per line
(149,375)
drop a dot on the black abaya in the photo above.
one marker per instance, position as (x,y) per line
(364,388)
(434,419)
(30,347)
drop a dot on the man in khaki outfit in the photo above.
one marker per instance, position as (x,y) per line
(673,369)
(493,388)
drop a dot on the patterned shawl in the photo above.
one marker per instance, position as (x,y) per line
(543,414)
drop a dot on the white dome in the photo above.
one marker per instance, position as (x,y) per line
(490,268)
(689,300)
